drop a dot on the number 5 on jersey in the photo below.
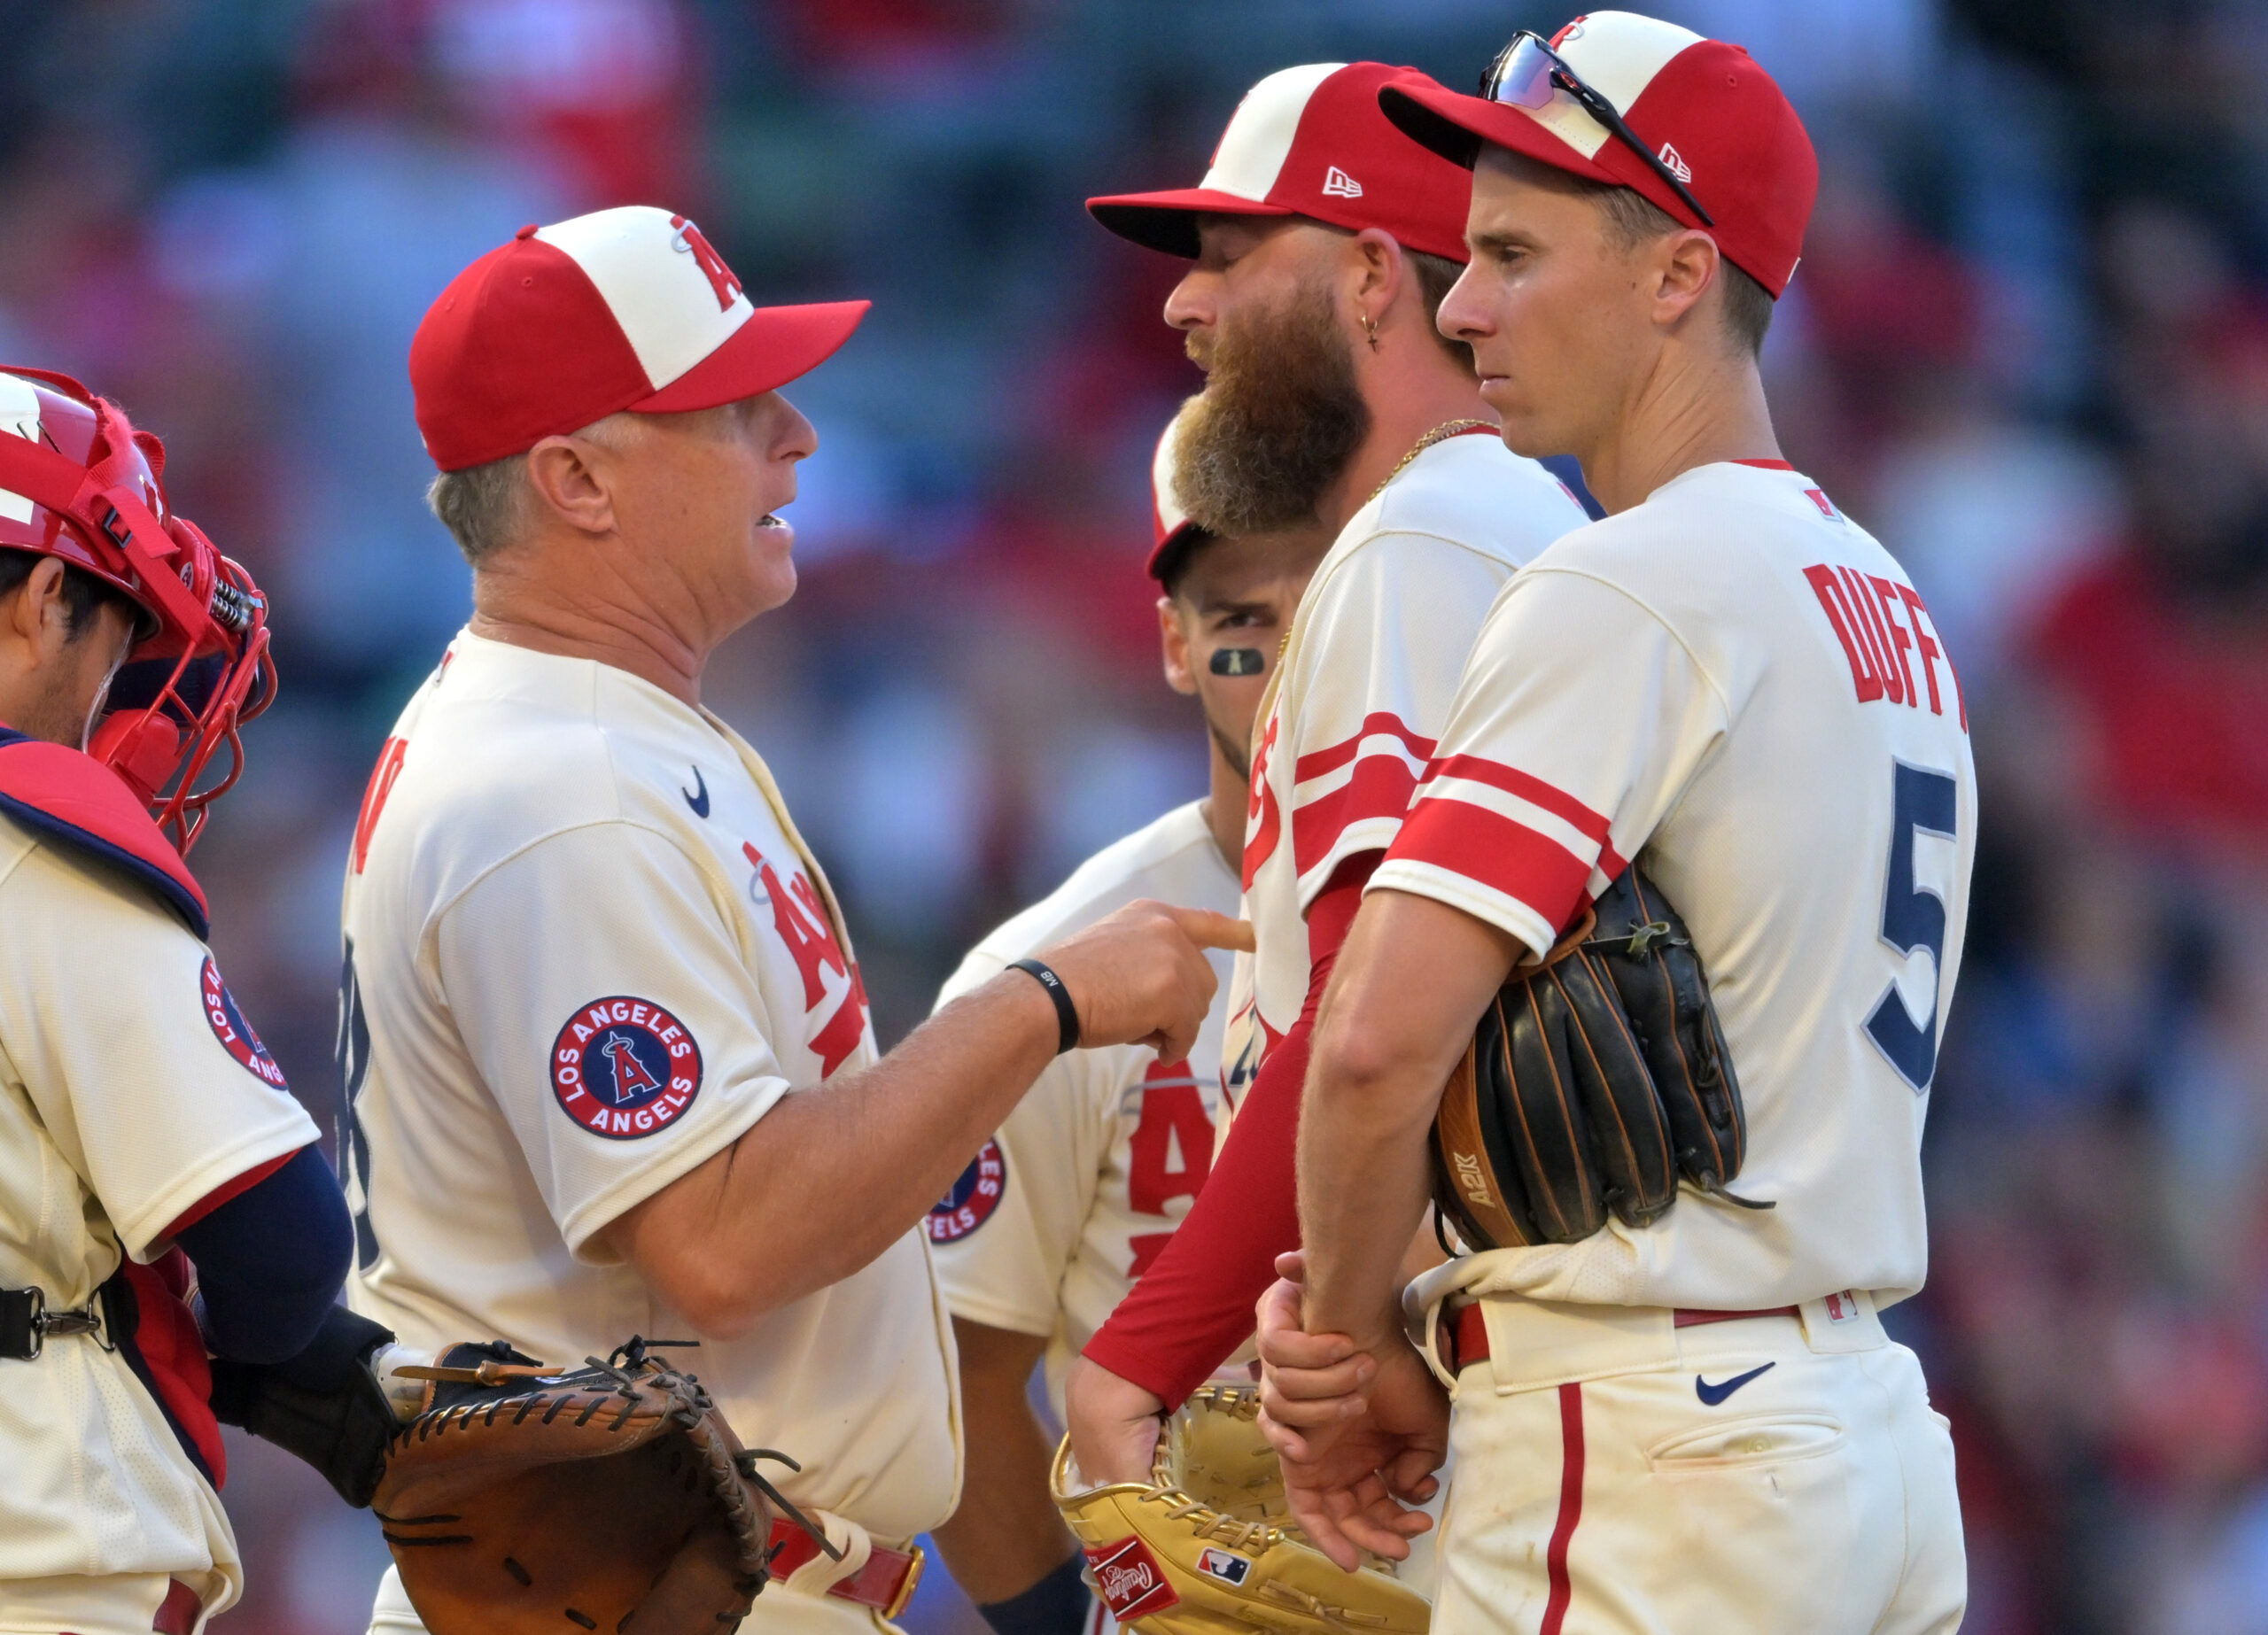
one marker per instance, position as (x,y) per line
(1912,915)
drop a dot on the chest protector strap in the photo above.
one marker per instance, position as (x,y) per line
(73,801)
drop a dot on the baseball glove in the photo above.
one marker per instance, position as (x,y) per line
(527,1501)
(1594,1083)
(1205,1546)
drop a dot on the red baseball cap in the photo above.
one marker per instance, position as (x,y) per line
(627,308)
(1712,117)
(1171,530)
(1311,142)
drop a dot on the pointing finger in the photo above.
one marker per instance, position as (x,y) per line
(1207,929)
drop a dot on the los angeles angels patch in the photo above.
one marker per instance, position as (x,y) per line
(972,1198)
(229,1028)
(624,1068)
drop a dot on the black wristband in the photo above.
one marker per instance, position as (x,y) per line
(1057,1605)
(1067,1014)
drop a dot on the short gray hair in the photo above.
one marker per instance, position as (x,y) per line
(482,507)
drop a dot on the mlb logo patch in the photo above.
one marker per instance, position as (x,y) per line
(1842,1307)
(1225,1565)
(1131,1583)
(624,1068)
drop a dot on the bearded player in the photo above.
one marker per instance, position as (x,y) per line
(1323,241)
(1698,1424)
(146,1126)
(1083,1185)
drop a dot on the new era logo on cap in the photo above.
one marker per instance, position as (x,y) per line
(1295,147)
(630,308)
(1678,167)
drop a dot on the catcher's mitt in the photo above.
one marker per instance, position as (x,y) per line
(1205,1548)
(1593,1082)
(529,1502)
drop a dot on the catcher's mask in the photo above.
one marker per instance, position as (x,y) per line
(78,481)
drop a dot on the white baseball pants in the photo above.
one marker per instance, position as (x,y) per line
(777,1610)
(1772,1476)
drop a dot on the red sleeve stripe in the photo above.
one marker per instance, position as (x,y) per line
(1583,840)
(234,1188)
(1379,787)
(1491,850)
(1381,724)
(1534,790)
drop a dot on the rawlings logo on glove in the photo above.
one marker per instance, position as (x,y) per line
(1206,1547)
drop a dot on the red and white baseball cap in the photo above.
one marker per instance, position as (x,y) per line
(1171,528)
(1311,142)
(1712,117)
(627,308)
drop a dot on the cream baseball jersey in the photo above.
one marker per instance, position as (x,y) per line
(1736,687)
(585,950)
(1363,688)
(131,1089)
(1063,1210)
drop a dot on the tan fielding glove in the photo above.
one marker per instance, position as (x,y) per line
(1205,1547)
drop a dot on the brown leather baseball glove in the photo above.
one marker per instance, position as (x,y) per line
(527,1500)
(1595,1081)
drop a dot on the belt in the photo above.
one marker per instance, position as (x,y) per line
(1466,1330)
(885,1583)
(178,1614)
(25,1322)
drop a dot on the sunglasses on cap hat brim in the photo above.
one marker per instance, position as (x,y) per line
(1527,72)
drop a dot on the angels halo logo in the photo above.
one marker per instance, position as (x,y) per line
(624,1068)
(229,1028)
(972,1197)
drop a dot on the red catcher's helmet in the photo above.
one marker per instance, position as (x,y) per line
(78,481)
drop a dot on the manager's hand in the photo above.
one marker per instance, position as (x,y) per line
(1141,976)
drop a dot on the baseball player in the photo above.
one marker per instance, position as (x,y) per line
(1323,241)
(143,1126)
(1082,1186)
(1698,1423)
(608,1057)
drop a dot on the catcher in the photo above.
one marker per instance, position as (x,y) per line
(1691,1418)
(607,1060)
(143,1126)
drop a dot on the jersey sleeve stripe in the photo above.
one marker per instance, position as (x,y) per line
(1380,724)
(1378,788)
(1534,790)
(1533,868)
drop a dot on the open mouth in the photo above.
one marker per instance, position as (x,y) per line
(771,519)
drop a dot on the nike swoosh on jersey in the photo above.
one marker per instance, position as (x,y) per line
(700,801)
(1712,1395)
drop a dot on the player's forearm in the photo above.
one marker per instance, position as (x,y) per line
(830,1178)
(1193,1306)
(1006,1536)
(1411,985)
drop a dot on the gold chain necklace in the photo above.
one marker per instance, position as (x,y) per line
(1446,428)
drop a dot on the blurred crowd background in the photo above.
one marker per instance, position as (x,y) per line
(2028,347)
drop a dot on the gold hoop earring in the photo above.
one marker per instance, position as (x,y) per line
(1370,329)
